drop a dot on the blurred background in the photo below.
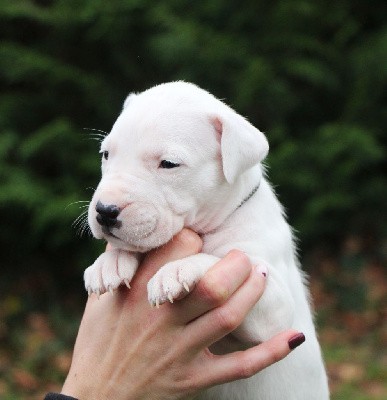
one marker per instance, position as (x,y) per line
(311,74)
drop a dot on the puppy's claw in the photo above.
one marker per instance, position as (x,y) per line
(157,303)
(186,287)
(170,298)
(89,291)
(126,281)
(98,293)
(111,290)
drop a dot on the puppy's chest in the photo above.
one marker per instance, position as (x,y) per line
(219,237)
(221,242)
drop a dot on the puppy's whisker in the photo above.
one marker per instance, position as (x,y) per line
(82,215)
(82,219)
(102,133)
(83,228)
(98,139)
(77,202)
(81,223)
(96,134)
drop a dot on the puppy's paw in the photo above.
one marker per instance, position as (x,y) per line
(173,281)
(110,270)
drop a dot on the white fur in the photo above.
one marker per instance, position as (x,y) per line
(219,154)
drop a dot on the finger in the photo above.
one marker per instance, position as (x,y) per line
(184,244)
(244,364)
(220,321)
(216,286)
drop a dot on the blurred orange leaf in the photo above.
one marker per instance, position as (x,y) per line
(24,379)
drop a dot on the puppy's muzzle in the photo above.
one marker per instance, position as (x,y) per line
(107,215)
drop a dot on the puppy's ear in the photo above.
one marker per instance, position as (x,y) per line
(242,145)
(130,97)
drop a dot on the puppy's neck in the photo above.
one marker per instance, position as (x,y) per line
(228,200)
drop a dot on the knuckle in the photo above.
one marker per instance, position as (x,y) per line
(246,368)
(212,290)
(239,257)
(190,239)
(227,319)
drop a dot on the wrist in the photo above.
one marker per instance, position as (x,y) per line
(78,389)
(58,396)
(74,388)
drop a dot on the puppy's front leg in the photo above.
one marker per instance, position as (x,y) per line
(110,270)
(177,278)
(273,313)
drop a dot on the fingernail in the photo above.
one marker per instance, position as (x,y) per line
(262,269)
(296,340)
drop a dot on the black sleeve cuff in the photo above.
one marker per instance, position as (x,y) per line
(58,396)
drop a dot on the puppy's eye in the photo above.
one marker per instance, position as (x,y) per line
(105,154)
(168,164)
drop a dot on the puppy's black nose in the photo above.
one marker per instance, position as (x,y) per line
(107,214)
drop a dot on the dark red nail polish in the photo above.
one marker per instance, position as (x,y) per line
(296,340)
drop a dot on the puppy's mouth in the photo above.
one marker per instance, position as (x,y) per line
(136,239)
(125,245)
(107,231)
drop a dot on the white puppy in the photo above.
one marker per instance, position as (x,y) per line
(178,157)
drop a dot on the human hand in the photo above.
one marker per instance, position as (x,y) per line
(126,350)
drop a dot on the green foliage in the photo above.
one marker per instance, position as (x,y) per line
(311,74)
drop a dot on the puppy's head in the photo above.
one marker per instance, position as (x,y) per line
(171,157)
